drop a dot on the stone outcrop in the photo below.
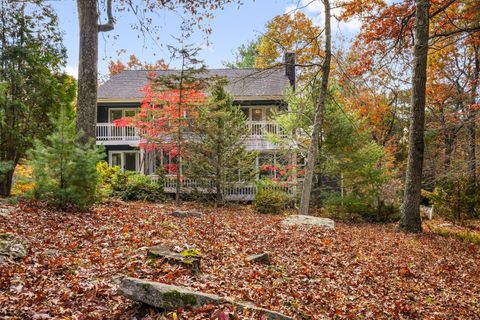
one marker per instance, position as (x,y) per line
(4,212)
(259,258)
(187,258)
(169,297)
(186,214)
(299,219)
(12,246)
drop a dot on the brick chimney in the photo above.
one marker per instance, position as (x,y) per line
(289,60)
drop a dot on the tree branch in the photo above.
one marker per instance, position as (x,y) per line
(111,20)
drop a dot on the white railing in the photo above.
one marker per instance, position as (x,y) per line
(235,192)
(110,132)
(262,129)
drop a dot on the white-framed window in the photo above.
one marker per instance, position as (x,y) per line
(119,113)
(260,113)
(128,160)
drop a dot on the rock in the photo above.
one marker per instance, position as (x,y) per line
(12,246)
(169,297)
(4,212)
(269,314)
(299,219)
(164,296)
(260,258)
(186,214)
(187,258)
(51,252)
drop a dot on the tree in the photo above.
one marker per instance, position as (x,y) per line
(290,33)
(64,173)
(217,151)
(89,26)
(169,108)
(133,63)
(31,55)
(245,55)
(386,36)
(319,116)
(411,221)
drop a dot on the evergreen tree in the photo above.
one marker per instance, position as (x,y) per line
(31,55)
(64,172)
(245,55)
(217,151)
(349,159)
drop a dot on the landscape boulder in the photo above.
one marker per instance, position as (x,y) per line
(299,219)
(170,297)
(4,212)
(164,296)
(12,246)
(186,214)
(259,258)
(187,258)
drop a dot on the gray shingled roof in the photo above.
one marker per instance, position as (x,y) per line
(241,82)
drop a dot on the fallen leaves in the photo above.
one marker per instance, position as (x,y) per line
(355,271)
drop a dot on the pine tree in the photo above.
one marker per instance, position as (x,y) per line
(217,151)
(64,172)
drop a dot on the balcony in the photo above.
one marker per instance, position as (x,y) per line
(109,134)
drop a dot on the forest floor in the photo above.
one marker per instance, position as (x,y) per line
(355,271)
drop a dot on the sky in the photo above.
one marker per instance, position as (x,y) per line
(231,27)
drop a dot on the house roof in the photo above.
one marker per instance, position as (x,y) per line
(245,84)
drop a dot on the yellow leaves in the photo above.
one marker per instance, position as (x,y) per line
(289,32)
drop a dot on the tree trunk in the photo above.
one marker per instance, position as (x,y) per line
(410,213)
(472,128)
(87,70)
(6,183)
(319,115)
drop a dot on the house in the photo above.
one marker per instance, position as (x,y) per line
(257,91)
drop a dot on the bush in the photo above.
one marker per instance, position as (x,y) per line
(456,198)
(360,209)
(138,187)
(270,200)
(64,172)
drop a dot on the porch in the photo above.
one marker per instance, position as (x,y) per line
(257,139)
(235,192)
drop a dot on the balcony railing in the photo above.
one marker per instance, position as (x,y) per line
(234,192)
(110,132)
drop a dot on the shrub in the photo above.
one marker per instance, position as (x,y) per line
(270,200)
(64,172)
(138,187)
(354,208)
(455,198)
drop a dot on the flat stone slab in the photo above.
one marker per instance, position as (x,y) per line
(298,219)
(4,212)
(170,297)
(186,214)
(188,260)
(12,246)
(259,258)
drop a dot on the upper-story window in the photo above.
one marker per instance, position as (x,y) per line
(257,114)
(119,113)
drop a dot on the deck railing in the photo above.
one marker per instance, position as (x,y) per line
(110,132)
(239,191)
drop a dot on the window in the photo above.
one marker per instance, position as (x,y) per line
(257,114)
(119,113)
(126,160)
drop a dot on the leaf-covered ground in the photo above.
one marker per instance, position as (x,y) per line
(357,271)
